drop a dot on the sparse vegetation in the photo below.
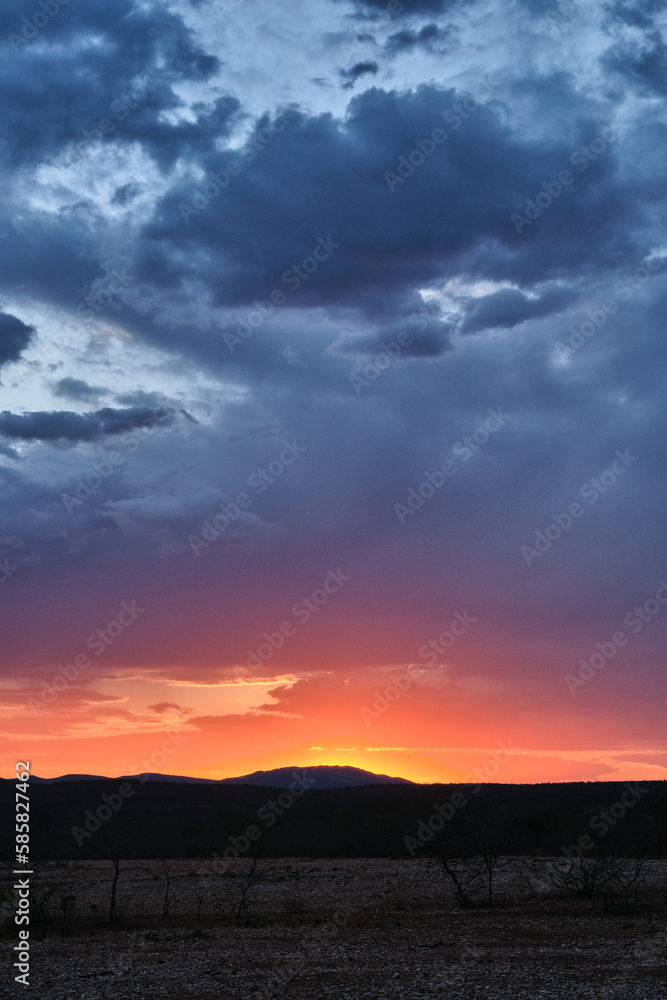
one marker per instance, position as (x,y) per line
(395,924)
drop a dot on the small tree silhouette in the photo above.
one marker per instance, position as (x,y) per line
(243,877)
(471,854)
(115,850)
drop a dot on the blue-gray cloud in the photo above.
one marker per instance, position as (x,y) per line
(509,307)
(62,425)
(405,8)
(430,37)
(76,388)
(358,70)
(127,83)
(14,337)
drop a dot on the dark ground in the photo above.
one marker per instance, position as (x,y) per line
(360,929)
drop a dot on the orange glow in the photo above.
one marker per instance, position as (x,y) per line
(438,730)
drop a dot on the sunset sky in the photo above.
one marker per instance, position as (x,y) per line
(332,375)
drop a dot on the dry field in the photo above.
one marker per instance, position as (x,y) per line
(340,930)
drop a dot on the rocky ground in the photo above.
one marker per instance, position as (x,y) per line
(357,929)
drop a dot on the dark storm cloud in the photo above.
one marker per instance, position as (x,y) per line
(126,82)
(320,177)
(509,307)
(398,226)
(14,337)
(67,426)
(359,69)
(431,38)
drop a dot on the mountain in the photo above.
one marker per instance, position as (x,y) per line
(67,777)
(175,779)
(321,776)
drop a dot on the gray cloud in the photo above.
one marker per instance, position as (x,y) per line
(127,81)
(643,64)
(76,388)
(406,8)
(14,337)
(509,307)
(636,13)
(359,69)
(430,37)
(66,426)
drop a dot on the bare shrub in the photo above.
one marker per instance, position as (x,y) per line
(471,856)
(614,881)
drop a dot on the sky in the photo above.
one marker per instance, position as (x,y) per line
(332,388)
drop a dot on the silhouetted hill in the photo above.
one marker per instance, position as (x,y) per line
(68,777)
(320,776)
